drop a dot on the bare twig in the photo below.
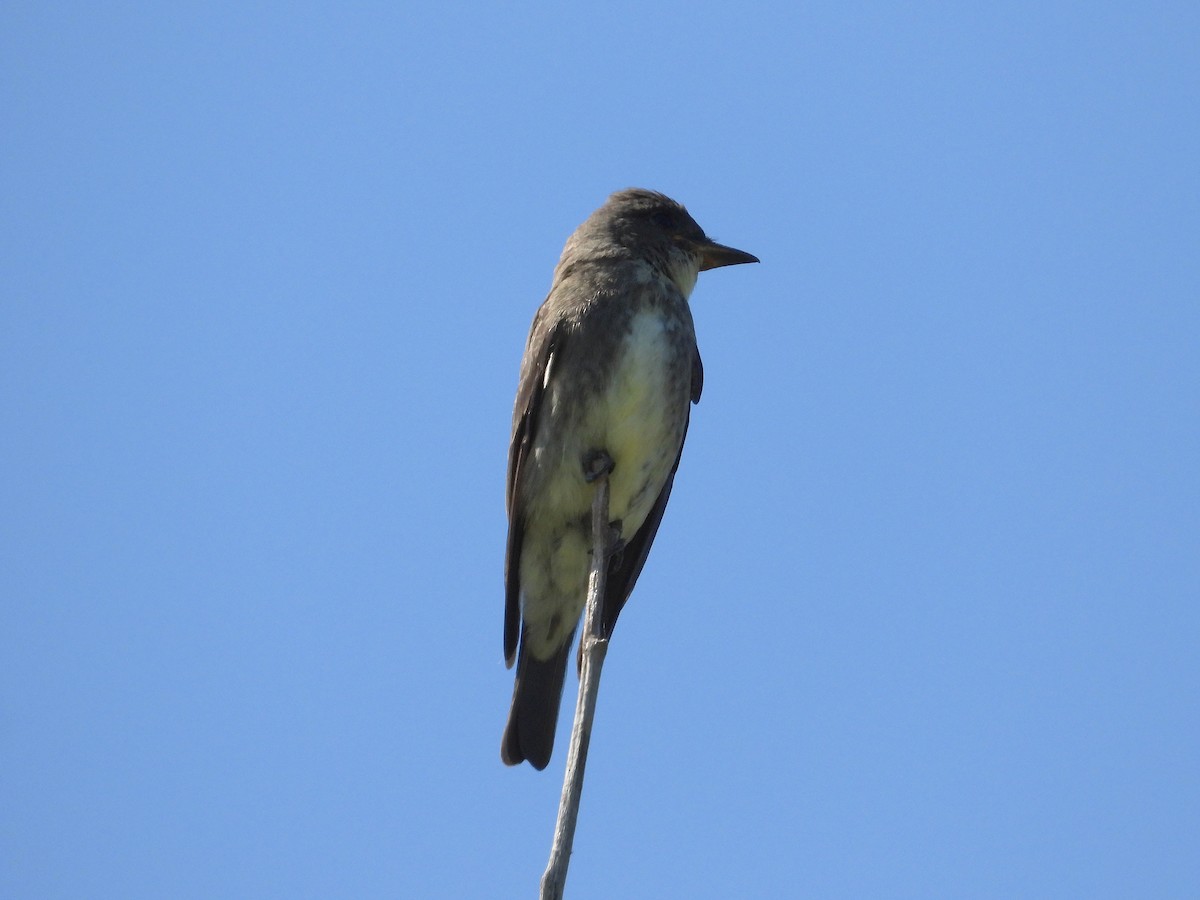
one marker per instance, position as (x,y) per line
(594,647)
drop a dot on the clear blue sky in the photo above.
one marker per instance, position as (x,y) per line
(923,619)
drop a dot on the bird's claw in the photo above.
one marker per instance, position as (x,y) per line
(616,543)
(595,464)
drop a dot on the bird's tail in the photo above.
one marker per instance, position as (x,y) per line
(533,718)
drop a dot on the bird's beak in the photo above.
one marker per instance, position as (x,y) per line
(714,255)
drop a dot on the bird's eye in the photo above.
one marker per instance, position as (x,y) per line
(663,220)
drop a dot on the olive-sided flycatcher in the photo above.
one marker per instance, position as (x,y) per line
(609,373)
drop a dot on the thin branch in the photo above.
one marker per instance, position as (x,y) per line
(593,649)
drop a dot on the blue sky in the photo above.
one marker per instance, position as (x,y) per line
(922,618)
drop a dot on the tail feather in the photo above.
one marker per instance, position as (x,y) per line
(533,717)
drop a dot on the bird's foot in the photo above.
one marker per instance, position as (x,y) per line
(616,543)
(595,464)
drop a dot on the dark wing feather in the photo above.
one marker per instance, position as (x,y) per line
(543,344)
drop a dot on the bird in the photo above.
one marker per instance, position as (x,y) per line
(607,380)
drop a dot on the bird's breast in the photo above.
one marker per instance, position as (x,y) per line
(641,410)
(623,385)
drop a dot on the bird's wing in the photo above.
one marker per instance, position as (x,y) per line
(697,376)
(627,565)
(544,345)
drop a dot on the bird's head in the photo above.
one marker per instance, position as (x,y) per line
(650,226)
